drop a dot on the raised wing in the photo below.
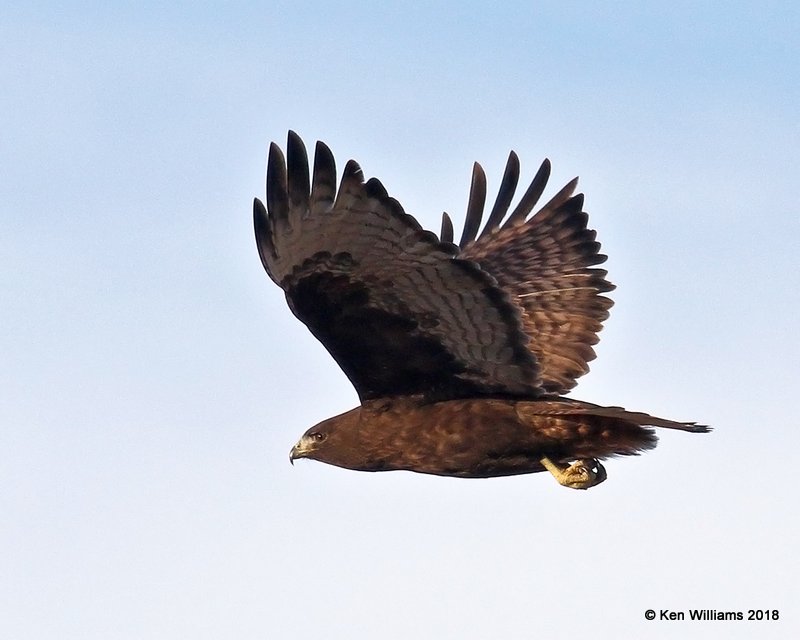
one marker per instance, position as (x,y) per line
(397,310)
(543,263)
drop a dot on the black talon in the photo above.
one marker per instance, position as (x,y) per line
(601,473)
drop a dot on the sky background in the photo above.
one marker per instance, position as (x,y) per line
(152,379)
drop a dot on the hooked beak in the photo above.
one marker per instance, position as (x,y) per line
(298,451)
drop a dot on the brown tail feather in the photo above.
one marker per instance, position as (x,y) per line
(584,430)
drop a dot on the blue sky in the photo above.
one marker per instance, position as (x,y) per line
(153,379)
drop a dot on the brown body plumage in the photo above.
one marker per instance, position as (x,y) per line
(479,438)
(458,352)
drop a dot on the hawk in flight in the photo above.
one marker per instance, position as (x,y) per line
(461,353)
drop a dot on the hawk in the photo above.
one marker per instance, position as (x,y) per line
(460,353)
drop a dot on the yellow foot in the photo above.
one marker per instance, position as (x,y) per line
(581,474)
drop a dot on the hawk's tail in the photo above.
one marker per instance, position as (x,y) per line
(584,430)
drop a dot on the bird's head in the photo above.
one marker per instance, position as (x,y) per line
(330,441)
(312,442)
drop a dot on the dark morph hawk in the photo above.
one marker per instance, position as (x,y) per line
(460,353)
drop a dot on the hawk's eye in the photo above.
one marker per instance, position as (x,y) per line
(318,437)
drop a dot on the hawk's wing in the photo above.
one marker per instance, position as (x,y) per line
(394,306)
(544,263)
